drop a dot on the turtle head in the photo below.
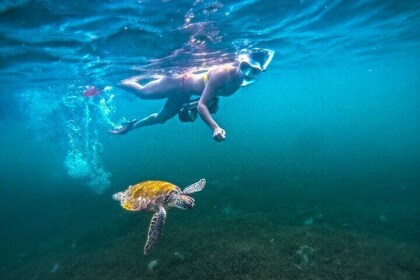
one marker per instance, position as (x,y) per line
(118,196)
(183,202)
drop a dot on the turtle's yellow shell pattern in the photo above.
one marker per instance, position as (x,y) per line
(145,193)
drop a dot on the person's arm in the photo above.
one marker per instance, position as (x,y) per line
(208,94)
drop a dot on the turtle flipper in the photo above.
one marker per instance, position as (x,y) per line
(196,187)
(155,229)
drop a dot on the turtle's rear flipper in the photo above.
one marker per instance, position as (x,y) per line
(155,229)
(196,187)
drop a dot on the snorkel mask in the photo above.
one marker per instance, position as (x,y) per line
(252,63)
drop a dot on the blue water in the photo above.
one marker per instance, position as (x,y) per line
(319,175)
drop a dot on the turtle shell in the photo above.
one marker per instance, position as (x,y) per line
(147,194)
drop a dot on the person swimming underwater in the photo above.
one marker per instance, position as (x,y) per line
(220,80)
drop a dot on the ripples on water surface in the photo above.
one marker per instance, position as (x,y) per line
(318,178)
(101,41)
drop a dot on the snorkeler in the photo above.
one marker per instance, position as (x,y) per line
(221,80)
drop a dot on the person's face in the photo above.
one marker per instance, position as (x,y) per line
(249,70)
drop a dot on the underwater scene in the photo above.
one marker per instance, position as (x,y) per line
(202,139)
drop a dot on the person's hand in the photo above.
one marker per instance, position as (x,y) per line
(219,134)
(124,128)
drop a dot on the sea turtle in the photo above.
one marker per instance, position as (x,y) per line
(155,196)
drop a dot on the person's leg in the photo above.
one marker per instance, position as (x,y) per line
(169,110)
(161,88)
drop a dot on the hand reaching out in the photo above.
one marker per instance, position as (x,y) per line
(219,134)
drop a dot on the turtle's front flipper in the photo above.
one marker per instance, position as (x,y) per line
(155,229)
(196,187)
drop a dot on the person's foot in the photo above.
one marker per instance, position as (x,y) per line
(124,128)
